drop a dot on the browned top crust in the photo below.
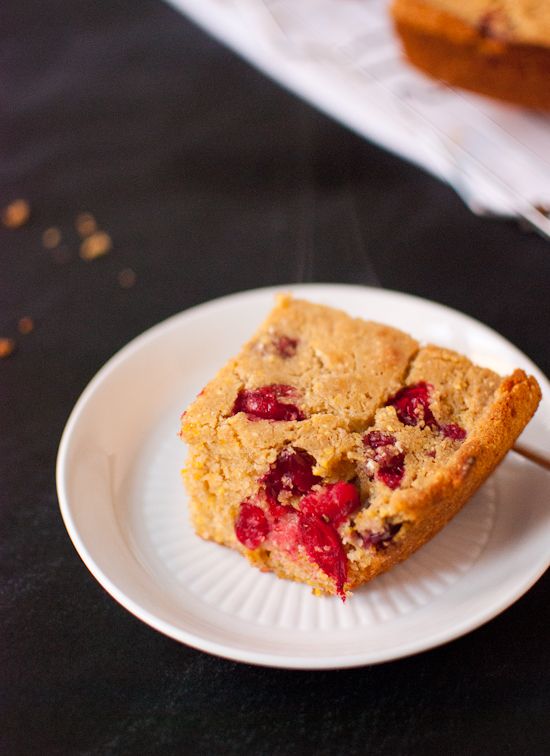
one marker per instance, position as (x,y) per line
(519,21)
(343,367)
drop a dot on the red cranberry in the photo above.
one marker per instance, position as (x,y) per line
(251,526)
(324,547)
(412,404)
(391,462)
(286,531)
(376,439)
(382,537)
(291,471)
(380,447)
(276,510)
(392,472)
(454,431)
(494,24)
(263,403)
(333,502)
(285,346)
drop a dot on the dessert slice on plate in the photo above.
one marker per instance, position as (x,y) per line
(332,448)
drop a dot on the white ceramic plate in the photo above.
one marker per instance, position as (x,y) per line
(125,509)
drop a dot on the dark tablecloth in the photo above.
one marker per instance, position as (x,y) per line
(210,179)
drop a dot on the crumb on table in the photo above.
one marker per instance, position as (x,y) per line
(25,325)
(126,278)
(7,347)
(16,214)
(51,238)
(85,224)
(96,245)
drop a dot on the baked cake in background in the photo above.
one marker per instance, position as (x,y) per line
(331,448)
(499,48)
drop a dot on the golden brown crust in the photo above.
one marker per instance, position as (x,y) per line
(447,48)
(332,369)
(429,509)
(520,21)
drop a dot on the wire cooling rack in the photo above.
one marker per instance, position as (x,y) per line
(343,55)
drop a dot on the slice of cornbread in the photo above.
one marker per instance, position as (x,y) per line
(331,448)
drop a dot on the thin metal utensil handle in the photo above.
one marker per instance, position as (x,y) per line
(532,456)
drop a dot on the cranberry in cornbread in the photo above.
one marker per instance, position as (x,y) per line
(332,448)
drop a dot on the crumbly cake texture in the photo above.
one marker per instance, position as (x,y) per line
(497,49)
(332,448)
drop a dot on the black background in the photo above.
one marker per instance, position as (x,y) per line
(210,179)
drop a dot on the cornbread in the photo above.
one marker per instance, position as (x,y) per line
(332,448)
(499,48)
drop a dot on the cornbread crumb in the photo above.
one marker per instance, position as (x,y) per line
(96,245)
(85,224)
(7,347)
(126,278)
(51,238)
(16,214)
(25,325)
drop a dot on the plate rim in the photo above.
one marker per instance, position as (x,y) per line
(227,651)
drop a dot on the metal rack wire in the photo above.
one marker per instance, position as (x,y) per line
(358,42)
